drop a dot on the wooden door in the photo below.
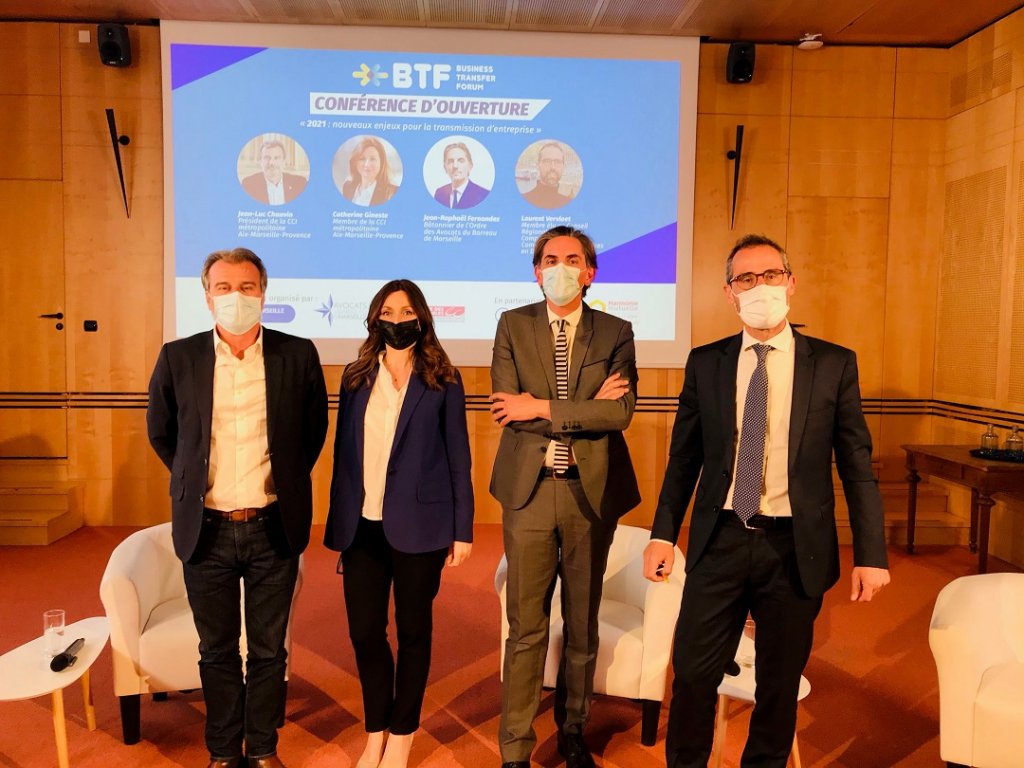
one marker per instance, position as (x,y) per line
(33,421)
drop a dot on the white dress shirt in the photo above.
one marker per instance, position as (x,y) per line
(457,194)
(572,321)
(275,192)
(379,424)
(239,473)
(779,363)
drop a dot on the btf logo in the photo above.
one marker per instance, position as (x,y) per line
(405,75)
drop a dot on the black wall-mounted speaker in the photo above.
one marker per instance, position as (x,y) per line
(115,47)
(739,67)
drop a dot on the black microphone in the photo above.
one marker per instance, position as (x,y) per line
(68,656)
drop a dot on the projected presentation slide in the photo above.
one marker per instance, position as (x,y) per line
(345,168)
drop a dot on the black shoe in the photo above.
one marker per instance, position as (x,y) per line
(516,764)
(573,748)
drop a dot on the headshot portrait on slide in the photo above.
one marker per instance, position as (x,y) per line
(367,170)
(273,169)
(458,172)
(549,174)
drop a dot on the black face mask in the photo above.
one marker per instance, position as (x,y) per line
(400,335)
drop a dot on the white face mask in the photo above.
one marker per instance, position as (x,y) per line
(561,284)
(237,313)
(763,306)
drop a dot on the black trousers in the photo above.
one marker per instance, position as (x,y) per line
(741,571)
(392,692)
(237,707)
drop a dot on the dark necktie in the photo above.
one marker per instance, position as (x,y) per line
(746,496)
(562,382)
(455,198)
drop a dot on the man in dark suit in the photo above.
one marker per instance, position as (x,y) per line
(564,380)
(272,186)
(760,416)
(462,192)
(239,416)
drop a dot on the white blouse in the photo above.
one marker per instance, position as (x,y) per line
(379,425)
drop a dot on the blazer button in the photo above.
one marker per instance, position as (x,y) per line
(715,510)
(725,475)
(202,498)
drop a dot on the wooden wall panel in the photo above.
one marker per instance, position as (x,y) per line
(922,83)
(981,138)
(120,480)
(844,82)
(838,251)
(33,433)
(840,157)
(29,59)
(914,242)
(760,207)
(30,136)
(767,94)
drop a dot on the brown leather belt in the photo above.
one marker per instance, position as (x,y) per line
(572,472)
(243,515)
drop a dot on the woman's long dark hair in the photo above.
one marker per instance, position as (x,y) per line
(430,362)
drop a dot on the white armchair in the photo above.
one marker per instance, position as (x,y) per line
(153,638)
(977,639)
(637,623)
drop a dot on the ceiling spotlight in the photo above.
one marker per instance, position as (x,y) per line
(810,42)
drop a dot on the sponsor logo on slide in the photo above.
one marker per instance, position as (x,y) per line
(598,304)
(349,310)
(278,313)
(365,75)
(448,313)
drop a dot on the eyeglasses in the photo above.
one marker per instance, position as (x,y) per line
(748,280)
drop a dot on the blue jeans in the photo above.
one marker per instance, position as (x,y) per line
(237,707)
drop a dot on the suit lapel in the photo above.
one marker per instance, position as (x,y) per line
(545,348)
(202,381)
(803,377)
(580,345)
(727,388)
(272,366)
(413,395)
(360,399)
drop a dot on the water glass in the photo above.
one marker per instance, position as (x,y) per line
(53,631)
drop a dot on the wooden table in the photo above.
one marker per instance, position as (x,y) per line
(25,674)
(985,479)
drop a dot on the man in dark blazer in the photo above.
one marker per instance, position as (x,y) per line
(559,514)
(272,186)
(239,416)
(462,192)
(760,417)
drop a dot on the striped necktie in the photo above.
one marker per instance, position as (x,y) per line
(746,496)
(562,382)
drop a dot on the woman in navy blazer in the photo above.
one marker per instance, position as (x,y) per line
(401,507)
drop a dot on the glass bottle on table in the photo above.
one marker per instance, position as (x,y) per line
(989,439)
(1015,443)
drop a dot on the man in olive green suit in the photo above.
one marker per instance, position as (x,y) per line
(564,477)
